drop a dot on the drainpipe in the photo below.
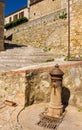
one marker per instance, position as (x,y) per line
(28,9)
(68,29)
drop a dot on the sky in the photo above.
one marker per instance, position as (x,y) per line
(13,5)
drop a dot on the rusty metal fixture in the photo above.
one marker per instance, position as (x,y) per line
(49,122)
(55,108)
(10,103)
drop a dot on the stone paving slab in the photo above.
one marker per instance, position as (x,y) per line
(72,120)
(30,116)
(18,118)
(8,117)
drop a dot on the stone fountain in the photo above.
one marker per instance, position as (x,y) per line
(38,116)
(54,115)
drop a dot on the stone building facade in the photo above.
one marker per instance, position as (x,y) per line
(16,15)
(76,28)
(2,26)
(36,9)
(50,32)
(40,8)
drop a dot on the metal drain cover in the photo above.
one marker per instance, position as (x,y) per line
(49,122)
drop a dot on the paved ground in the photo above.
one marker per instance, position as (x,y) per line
(17,118)
(8,117)
(16,56)
(71,121)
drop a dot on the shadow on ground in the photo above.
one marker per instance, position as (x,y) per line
(11,46)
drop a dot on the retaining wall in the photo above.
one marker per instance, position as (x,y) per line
(32,84)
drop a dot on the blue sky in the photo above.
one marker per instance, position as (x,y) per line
(13,5)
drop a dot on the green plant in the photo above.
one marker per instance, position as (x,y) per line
(79,110)
(47,49)
(80,56)
(17,129)
(45,109)
(63,15)
(15,23)
(0,96)
(66,58)
(49,60)
(6,88)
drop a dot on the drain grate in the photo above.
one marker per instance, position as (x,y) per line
(49,122)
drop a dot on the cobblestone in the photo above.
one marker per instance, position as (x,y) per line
(8,118)
(18,118)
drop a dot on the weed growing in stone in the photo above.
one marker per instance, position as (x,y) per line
(63,15)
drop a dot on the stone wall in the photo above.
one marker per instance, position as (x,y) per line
(51,33)
(76,28)
(12,87)
(48,36)
(39,10)
(28,86)
(39,83)
(1,26)
(46,7)
(45,19)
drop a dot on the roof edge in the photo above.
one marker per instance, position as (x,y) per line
(2,2)
(35,2)
(16,11)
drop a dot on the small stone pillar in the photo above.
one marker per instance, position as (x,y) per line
(2,4)
(55,107)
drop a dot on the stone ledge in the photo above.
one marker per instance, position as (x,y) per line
(44,66)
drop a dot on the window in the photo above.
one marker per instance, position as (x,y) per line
(21,15)
(10,19)
(15,17)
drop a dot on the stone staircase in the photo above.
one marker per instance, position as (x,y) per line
(16,56)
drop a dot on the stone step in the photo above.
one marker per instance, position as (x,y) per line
(24,54)
(21,57)
(15,65)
